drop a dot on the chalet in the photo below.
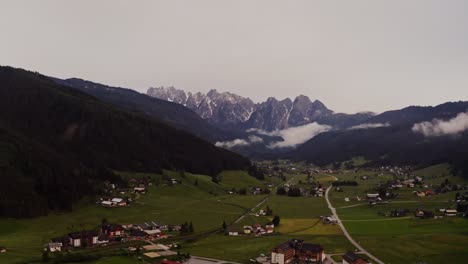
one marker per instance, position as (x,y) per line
(112,230)
(106,203)
(420,213)
(351,258)
(64,240)
(103,239)
(451,212)
(140,190)
(116,200)
(233,232)
(329,220)
(247,229)
(296,251)
(83,238)
(137,233)
(54,246)
(372,195)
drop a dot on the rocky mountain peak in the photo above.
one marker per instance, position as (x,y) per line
(225,108)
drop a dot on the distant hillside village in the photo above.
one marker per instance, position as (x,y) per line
(109,234)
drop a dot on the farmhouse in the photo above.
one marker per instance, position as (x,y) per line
(112,230)
(102,239)
(423,213)
(351,258)
(106,203)
(54,246)
(140,190)
(451,212)
(296,251)
(329,220)
(233,232)
(83,238)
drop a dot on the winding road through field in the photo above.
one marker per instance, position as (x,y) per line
(345,232)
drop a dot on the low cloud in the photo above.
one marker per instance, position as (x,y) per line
(255,139)
(438,127)
(293,136)
(232,143)
(239,142)
(369,125)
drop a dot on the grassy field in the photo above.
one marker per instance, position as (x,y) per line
(406,239)
(24,238)
(299,219)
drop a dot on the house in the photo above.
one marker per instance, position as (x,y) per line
(112,230)
(372,195)
(329,220)
(451,212)
(3,249)
(247,229)
(137,233)
(54,246)
(269,230)
(351,258)
(116,201)
(296,251)
(140,190)
(423,213)
(107,203)
(83,238)
(233,232)
(102,239)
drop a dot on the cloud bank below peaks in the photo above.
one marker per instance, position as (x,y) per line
(438,127)
(369,126)
(252,139)
(293,136)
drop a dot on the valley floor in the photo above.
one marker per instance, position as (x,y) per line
(207,205)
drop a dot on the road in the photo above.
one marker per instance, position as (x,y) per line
(345,232)
(251,211)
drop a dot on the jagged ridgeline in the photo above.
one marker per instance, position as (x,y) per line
(57,144)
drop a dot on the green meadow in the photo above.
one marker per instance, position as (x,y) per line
(405,239)
(205,204)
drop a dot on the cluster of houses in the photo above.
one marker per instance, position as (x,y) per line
(421,213)
(405,171)
(115,202)
(109,234)
(257,230)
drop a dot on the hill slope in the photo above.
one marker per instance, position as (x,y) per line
(395,143)
(173,114)
(73,130)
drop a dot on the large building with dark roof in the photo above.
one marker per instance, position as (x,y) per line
(295,251)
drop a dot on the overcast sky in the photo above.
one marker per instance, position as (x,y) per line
(352,55)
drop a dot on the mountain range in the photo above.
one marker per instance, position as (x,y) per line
(60,139)
(225,109)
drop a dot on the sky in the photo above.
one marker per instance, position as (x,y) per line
(367,55)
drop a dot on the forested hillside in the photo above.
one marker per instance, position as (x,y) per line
(56,141)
